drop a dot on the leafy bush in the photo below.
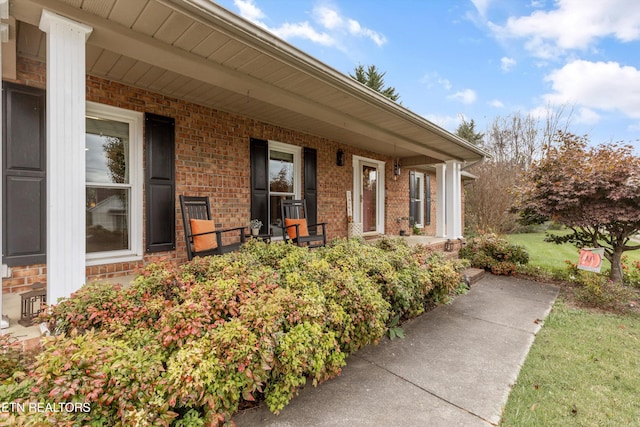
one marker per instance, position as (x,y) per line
(12,358)
(188,345)
(494,254)
(631,272)
(596,290)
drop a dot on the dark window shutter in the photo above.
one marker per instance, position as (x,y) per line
(427,199)
(311,185)
(413,196)
(259,158)
(24,176)
(160,183)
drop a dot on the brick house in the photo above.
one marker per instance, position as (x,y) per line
(113,108)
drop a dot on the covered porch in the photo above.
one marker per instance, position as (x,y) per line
(183,57)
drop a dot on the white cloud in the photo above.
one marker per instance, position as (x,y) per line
(433,79)
(596,85)
(327,17)
(466,96)
(573,25)
(445,122)
(507,63)
(587,116)
(330,18)
(357,30)
(303,30)
(481,6)
(249,10)
(496,103)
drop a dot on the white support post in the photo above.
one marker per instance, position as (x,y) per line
(4,35)
(66,87)
(441,199)
(454,199)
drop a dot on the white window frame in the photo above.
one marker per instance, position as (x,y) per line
(358,162)
(136,181)
(296,151)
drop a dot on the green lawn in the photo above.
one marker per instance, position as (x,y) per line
(551,256)
(583,370)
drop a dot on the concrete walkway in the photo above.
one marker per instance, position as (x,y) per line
(455,366)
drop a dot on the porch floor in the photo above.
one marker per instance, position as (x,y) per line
(11,308)
(424,240)
(32,334)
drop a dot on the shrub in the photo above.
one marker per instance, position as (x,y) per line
(444,275)
(596,290)
(188,345)
(631,272)
(12,358)
(495,254)
(121,380)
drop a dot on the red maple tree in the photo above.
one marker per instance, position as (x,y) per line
(594,191)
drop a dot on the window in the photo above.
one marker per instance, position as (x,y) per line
(419,200)
(284,180)
(113,149)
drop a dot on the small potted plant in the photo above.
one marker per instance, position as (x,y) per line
(255,225)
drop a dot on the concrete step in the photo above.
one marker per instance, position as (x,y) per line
(472,275)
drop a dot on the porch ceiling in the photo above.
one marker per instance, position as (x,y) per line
(197,51)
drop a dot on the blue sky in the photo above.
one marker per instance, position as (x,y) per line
(480,59)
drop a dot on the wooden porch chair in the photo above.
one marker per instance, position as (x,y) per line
(199,229)
(295,227)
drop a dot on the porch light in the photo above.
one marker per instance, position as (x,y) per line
(340,158)
(396,168)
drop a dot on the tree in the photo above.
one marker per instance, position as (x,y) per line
(467,130)
(374,79)
(594,191)
(513,142)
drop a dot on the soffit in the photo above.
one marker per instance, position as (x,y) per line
(197,51)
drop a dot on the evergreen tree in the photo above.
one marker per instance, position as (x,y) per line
(467,130)
(373,78)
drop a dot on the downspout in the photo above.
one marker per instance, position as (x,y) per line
(467,166)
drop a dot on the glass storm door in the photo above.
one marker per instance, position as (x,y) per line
(369,198)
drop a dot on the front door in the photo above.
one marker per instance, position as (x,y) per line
(368,187)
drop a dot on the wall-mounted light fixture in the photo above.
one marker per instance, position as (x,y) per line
(340,158)
(396,168)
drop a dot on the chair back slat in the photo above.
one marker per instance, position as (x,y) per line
(196,207)
(193,207)
(297,209)
(293,209)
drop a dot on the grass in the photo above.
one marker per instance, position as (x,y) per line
(583,370)
(551,256)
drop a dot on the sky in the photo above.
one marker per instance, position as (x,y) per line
(480,59)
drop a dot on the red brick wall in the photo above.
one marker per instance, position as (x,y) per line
(212,159)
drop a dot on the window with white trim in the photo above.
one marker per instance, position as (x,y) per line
(284,180)
(113,148)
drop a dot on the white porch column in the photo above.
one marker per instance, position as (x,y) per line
(4,37)
(454,199)
(441,199)
(66,87)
